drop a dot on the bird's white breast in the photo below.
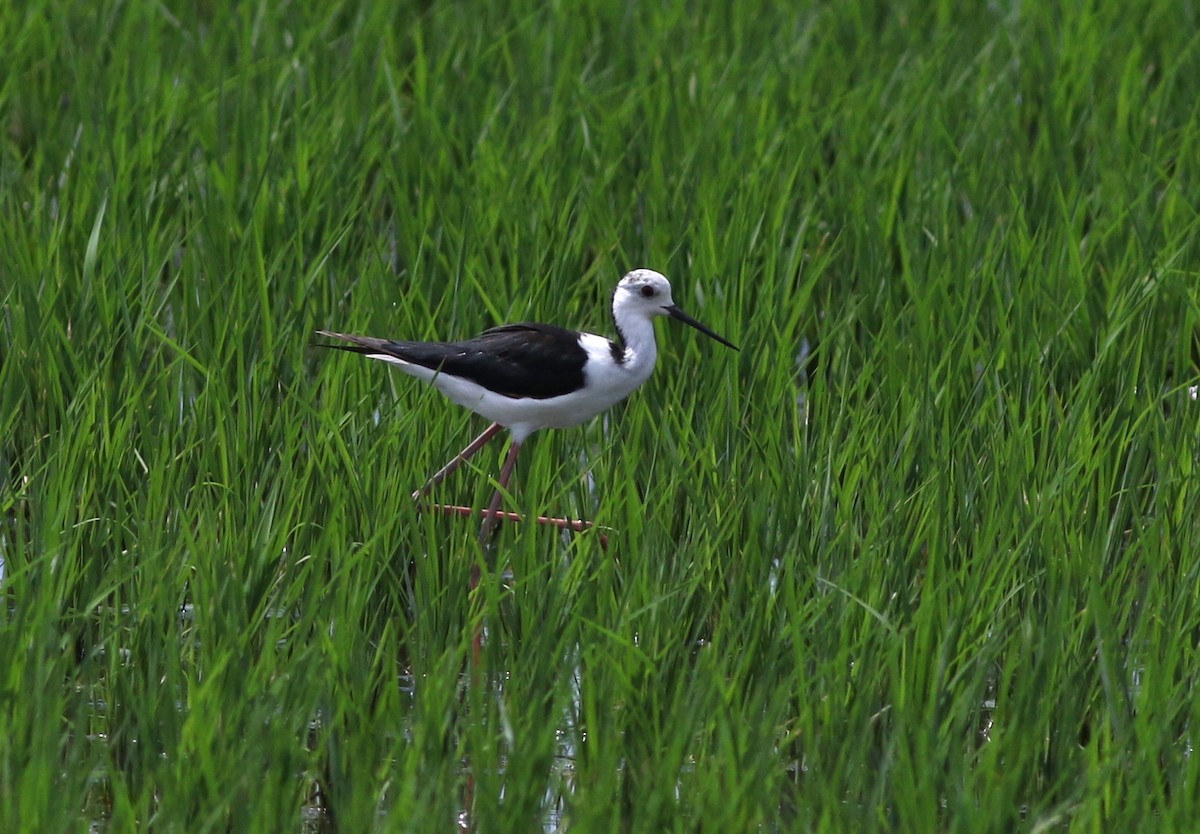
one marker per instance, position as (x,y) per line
(606,383)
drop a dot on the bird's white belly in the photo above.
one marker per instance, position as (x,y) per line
(606,383)
(603,389)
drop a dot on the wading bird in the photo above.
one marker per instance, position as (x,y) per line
(526,377)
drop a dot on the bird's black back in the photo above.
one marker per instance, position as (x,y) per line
(517,360)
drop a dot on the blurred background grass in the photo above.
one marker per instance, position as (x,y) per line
(922,557)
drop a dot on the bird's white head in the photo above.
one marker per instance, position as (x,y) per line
(643,294)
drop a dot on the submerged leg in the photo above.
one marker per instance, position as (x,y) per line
(457,461)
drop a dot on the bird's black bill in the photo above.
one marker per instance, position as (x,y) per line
(675,313)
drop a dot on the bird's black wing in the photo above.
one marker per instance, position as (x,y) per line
(517,360)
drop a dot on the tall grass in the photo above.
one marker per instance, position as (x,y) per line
(924,556)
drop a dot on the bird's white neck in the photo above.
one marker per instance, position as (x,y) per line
(636,337)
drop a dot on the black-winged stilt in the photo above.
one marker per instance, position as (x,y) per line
(526,377)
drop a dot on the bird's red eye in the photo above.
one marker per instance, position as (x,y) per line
(647,291)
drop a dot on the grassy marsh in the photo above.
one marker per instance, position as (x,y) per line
(924,556)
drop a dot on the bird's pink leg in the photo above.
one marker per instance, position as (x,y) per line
(575,525)
(492,514)
(457,461)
